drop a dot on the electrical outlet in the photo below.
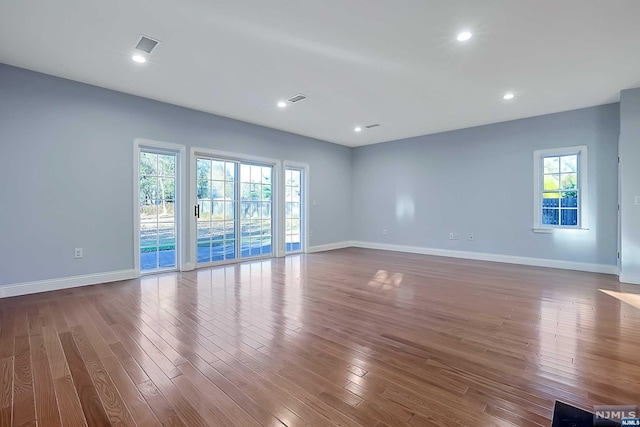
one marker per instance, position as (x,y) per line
(453,236)
(78,253)
(384,231)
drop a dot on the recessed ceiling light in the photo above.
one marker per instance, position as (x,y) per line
(464,36)
(139,59)
(508,96)
(282,104)
(358,129)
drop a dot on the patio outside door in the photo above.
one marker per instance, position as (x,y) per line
(233,211)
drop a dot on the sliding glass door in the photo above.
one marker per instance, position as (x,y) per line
(233,211)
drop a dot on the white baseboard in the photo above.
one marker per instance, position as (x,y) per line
(630,278)
(481,256)
(64,283)
(329,247)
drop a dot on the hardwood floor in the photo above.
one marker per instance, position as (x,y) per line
(352,337)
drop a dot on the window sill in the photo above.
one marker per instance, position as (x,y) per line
(549,230)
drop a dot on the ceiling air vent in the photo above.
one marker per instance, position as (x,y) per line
(375,125)
(296,98)
(146,44)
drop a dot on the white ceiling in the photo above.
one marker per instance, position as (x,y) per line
(396,63)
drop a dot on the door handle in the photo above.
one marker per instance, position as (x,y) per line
(196,211)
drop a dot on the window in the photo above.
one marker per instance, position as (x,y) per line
(560,182)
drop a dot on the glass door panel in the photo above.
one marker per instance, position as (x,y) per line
(293,210)
(255,210)
(216,222)
(157,188)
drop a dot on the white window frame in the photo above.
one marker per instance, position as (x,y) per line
(181,168)
(583,191)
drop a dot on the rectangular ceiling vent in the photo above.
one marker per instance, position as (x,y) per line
(297,98)
(375,125)
(147,44)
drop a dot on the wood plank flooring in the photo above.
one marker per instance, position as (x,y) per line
(351,337)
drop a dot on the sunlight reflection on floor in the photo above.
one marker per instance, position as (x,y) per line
(629,298)
(384,281)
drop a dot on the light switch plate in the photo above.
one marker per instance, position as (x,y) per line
(637,200)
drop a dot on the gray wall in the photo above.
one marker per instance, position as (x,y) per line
(66,172)
(630,185)
(479,182)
